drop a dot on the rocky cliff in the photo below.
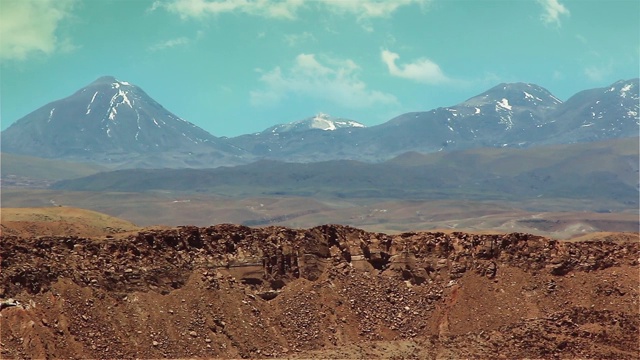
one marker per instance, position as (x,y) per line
(329,291)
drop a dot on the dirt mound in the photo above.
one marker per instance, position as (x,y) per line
(609,236)
(328,292)
(60,221)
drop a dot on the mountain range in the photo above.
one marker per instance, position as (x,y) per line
(603,171)
(115,123)
(508,115)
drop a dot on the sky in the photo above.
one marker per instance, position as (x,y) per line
(240,66)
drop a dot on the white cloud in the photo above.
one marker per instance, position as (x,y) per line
(598,73)
(333,80)
(295,39)
(365,10)
(422,70)
(28,27)
(284,9)
(369,8)
(171,43)
(552,12)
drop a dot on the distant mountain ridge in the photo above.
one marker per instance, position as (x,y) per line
(316,138)
(115,123)
(320,122)
(598,114)
(508,115)
(505,115)
(601,171)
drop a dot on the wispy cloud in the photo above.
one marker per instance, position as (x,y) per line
(421,70)
(171,43)
(295,39)
(582,39)
(598,73)
(552,11)
(369,8)
(284,9)
(29,27)
(333,80)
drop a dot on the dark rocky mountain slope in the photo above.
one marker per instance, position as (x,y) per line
(318,138)
(596,114)
(115,123)
(607,171)
(507,115)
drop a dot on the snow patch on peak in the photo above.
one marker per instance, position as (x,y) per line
(321,121)
(117,83)
(125,99)
(504,103)
(626,88)
(51,114)
(322,115)
(531,97)
(118,99)
(91,102)
(324,121)
(322,124)
(556,100)
(112,113)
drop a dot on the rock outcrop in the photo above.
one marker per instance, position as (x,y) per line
(235,291)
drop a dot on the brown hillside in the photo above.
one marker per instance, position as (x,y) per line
(60,221)
(330,292)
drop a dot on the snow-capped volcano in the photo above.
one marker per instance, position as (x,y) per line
(111,121)
(514,105)
(316,138)
(501,116)
(321,121)
(507,95)
(600,113)
(125,110)
(108,118)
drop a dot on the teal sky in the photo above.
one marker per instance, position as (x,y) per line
(240,66)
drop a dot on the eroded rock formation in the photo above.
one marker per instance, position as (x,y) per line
(234,291)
